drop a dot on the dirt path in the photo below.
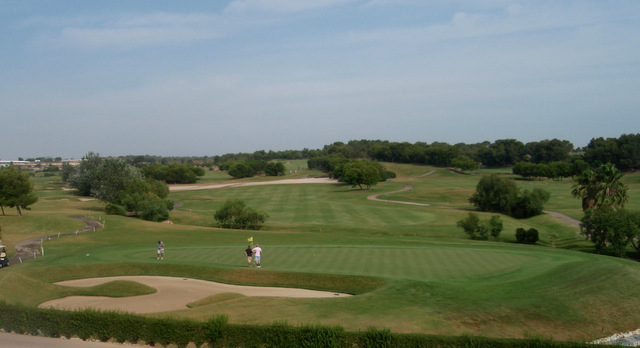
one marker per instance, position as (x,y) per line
(173,294)
(564,218)
(190,187)
(30,248)
(406,188)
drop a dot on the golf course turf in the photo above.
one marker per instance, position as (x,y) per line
(410,267)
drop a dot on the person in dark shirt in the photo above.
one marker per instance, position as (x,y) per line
(249,254)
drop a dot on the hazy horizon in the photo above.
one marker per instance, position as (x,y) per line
(209,78)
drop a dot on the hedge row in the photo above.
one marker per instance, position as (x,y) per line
(124,327)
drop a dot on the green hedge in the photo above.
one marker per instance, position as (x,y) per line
(124,327)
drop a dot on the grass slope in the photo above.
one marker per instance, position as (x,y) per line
(412,269)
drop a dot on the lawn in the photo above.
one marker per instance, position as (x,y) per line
(411,268)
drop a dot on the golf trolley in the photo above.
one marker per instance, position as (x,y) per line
(4,259)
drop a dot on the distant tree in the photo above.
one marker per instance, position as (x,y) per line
(599,187)
(472,226)
(495,226)
(113,179)
(85,175)
(16,190)
(481,230)
(362,172)
(67,172)
(331,164)
(122,186)
(502,153)
(521,235)
(274,169)
(529,203)
(607,225)
(464,163)
(623,152)
(153,208)
(235,214)
(497,194)
(241,170)
(529,236)
(177,173)
(547,151)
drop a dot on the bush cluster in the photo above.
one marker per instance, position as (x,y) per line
(235,214)
(123,327)
(529,236)
(481,230)
(501,195)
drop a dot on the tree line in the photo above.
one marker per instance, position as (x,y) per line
(249,168)
(125,189)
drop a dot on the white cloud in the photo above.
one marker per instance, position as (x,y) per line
(282,6)
(130,31)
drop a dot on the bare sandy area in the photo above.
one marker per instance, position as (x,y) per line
(173,294)
(189,187)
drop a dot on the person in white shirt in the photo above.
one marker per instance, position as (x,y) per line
(257,254)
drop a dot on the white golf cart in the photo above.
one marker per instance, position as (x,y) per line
(4,259)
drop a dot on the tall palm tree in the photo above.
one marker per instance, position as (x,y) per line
(600,187)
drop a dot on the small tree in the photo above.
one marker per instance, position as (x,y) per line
(532,236)
(606,226)
(464,163)
(479,230)
(235,214)
(274,169)
(362,172)
(16,190)
(500,195)
(241,170)
(495,226)
(529,236)
(521,235)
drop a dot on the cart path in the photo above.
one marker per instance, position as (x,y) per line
(29,249)
(173,294)
(374,197)
(190,187)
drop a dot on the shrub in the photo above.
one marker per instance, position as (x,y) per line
(114,209)
(376,338)
(532,236)
(529,236)
(235,214)
(521,235)
(500,195)
(479,230)
(216,327)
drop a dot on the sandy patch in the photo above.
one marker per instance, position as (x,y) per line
(257,183)
(173,294)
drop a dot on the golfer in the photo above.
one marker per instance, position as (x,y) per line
(160,251)
(257,253)
(249,254)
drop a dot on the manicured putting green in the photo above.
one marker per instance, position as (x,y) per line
(418,263)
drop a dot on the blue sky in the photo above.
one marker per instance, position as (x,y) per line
(192,78)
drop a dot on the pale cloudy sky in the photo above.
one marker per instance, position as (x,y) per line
(199,77)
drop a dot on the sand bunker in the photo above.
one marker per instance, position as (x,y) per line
(173,294)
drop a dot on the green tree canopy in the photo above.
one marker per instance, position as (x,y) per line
(599,187)
(477,229)
(235,214)
(122,186)
(615,228)
(501,195)
(362,172)
(16,189)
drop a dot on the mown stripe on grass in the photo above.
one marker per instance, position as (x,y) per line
(419,263)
